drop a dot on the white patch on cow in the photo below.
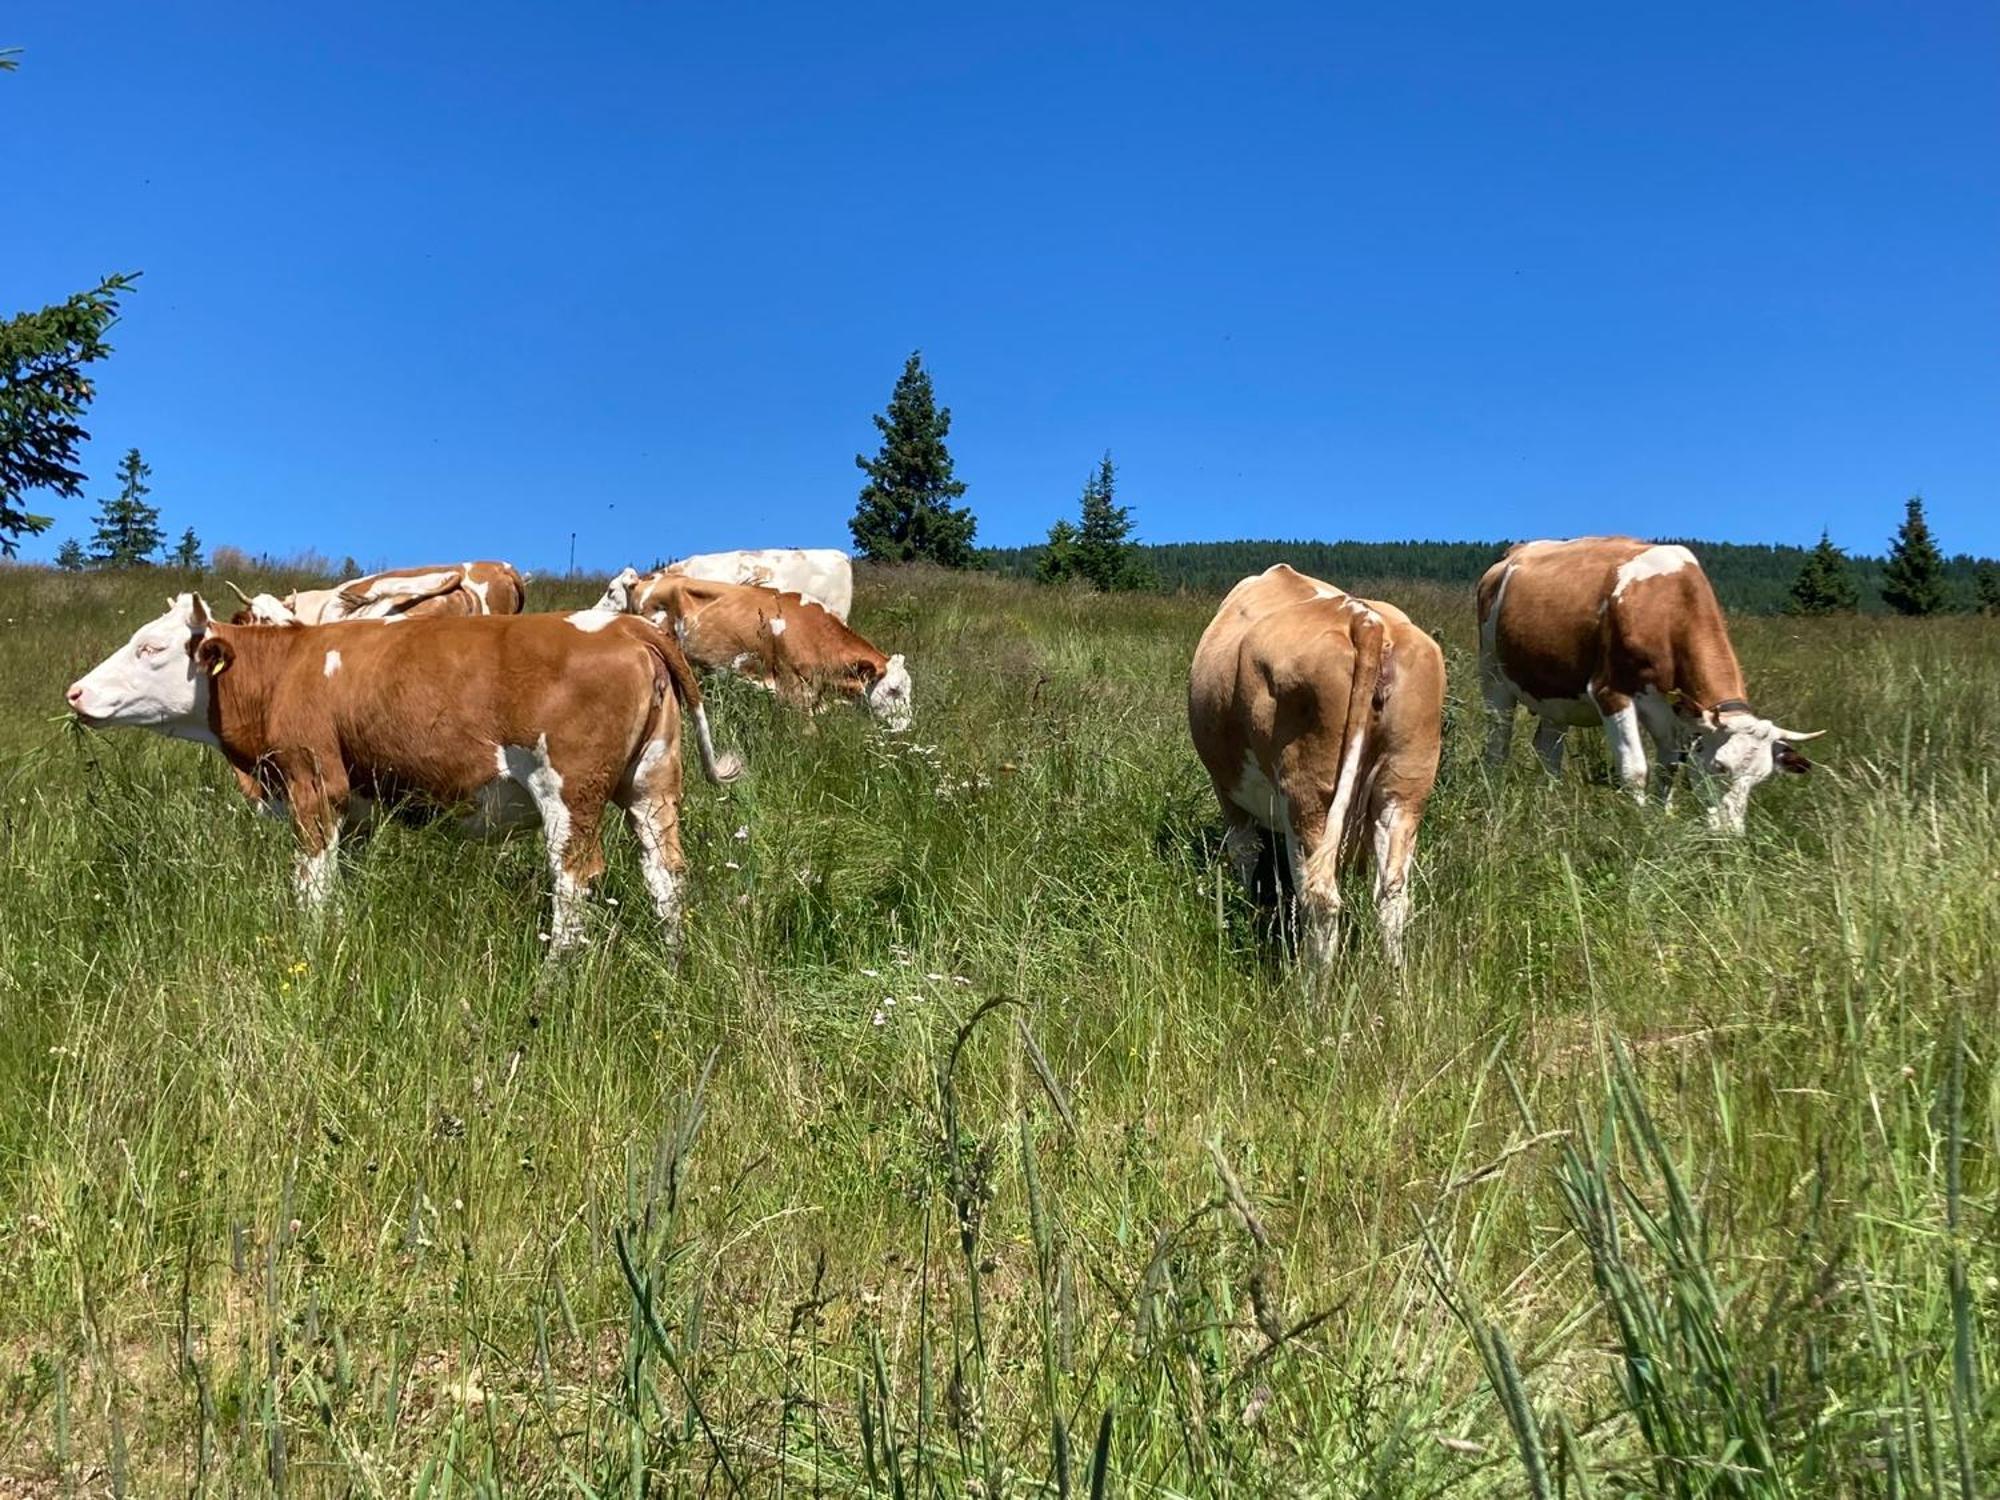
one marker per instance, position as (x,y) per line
(1627,752)
(567,917)
(618,592)
(892,699)
(533,770)
(1255,793)
(1392,886)
(478,591)
(332,662)
(591,619)
(741,660)
(315,872)
(644,812)
(307,607)
(777,627)
(1654,562)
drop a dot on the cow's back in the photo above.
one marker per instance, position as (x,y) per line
(1541,612)
(433,700)
(1273,668)
(823,576)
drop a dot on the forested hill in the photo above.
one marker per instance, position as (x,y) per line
(1751,579)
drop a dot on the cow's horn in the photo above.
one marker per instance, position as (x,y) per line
(239,593)
(1796,735)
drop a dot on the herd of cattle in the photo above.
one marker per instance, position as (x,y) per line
(1317,714)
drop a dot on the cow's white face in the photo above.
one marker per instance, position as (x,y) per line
(1743,751)
(151,681)
(889,699)
(618,594)
(266,609)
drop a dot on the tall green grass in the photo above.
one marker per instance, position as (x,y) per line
(982,1140)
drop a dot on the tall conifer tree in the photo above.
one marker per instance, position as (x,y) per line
(1825,585)
(1913,582)
(905,512)
(1104,551)
(128,529)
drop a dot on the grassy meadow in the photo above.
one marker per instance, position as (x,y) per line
(982,1141)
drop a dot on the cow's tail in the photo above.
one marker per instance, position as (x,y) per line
(1370,635)
(719,768)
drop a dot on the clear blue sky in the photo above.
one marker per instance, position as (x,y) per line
(424,281)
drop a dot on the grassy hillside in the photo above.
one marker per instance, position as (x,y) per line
(1755,579)
(981,1120)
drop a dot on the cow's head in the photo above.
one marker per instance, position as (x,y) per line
(618,593)
(1743,751)
(155,680)
(888,694)
(264,609)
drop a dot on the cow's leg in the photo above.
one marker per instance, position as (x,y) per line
(1621,727)
(1242,839)
(1313,844)
(1662,726)
(576,859)
(1549,745)
(651,797)
(571,808)
(1499,716)
(318,800)
(1393,833)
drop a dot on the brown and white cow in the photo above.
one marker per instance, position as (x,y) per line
(509,719)
(780,641)
(1610,630)
(468,588)
(823,575)
(1317,714)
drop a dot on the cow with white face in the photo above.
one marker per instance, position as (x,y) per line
(1627,634)
(820,575)
(790,645)
(511,719)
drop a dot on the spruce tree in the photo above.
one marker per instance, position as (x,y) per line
(1105,552)
(128,529)
(187,552)
(1825,585)
(44,391)
(905,512)
(1057,563)
(1987,585)
(69,556)
(1913,581)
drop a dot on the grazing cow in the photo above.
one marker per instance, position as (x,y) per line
(820,574)
(780,641)
(469,588)
(507,719)
(1316,714)
(1609,630)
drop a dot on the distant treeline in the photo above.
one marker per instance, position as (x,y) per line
(1753,579)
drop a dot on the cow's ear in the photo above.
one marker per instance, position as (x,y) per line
(866,669)
(213,655)
(1788,758)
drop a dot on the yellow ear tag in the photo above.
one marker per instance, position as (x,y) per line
(215,667)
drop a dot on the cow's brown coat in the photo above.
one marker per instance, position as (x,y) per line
(783,641)
(1627,633)
(1335,704)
